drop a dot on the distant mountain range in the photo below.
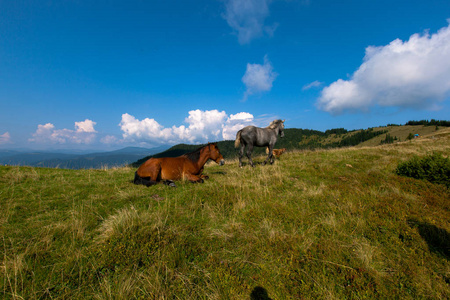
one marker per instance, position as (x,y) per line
(95,160)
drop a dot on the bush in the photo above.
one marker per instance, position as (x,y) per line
(434,168)
(388,140)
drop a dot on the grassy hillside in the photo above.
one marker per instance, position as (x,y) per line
(402,132)
(325,224)
(306,139)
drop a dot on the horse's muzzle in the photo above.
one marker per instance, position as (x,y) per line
(222,162)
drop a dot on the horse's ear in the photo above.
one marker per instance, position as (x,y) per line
(283,120)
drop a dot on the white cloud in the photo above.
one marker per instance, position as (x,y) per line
(86,126)
(242,116)
(311,85)
(247,18)
(410,74)
(258,78)
(145,129)
(84,134)
(235,123)
(5,138)
(205,125)
(202,127)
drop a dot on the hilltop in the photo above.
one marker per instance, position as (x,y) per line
(307,139)
(325,223)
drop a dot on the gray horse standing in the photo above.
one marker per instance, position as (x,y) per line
(251,136)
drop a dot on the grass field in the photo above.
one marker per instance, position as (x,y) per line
(402,132)
(329,224)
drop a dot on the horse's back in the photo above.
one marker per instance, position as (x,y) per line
(264,137)
(248,133)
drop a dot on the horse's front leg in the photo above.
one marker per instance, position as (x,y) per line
(193,178)
(270,156)
(201,175)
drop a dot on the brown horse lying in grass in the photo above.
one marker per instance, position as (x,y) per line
(277,152)
(185,167)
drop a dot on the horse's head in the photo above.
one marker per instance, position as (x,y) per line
(278,124)
(215,154)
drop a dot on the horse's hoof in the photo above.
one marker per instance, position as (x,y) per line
(170,183)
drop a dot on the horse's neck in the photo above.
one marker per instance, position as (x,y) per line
(276,130)
(203,158)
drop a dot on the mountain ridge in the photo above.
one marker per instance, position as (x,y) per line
(94,160)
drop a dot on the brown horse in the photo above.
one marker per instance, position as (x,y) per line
(187,167)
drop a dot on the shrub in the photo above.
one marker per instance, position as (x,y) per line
(388,140)
(434,168)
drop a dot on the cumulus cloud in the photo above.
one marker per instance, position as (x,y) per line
(85,126)
(202,127)
(235,123)
(84,134)
(5,138)
(258,78)
(247,17)
(145,129)
(407,74)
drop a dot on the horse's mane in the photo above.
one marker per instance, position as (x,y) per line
(195,155)
(274,124)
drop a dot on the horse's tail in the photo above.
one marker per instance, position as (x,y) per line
(145,181)
(237,142)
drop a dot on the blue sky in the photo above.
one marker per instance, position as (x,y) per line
(110,74)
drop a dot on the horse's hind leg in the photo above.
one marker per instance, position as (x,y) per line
(147,181)
(169,183)
(241,154)
(249,154)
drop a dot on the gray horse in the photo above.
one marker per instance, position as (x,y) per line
(251,136)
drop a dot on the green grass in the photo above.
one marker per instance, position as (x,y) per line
(317,224)
(402,133)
